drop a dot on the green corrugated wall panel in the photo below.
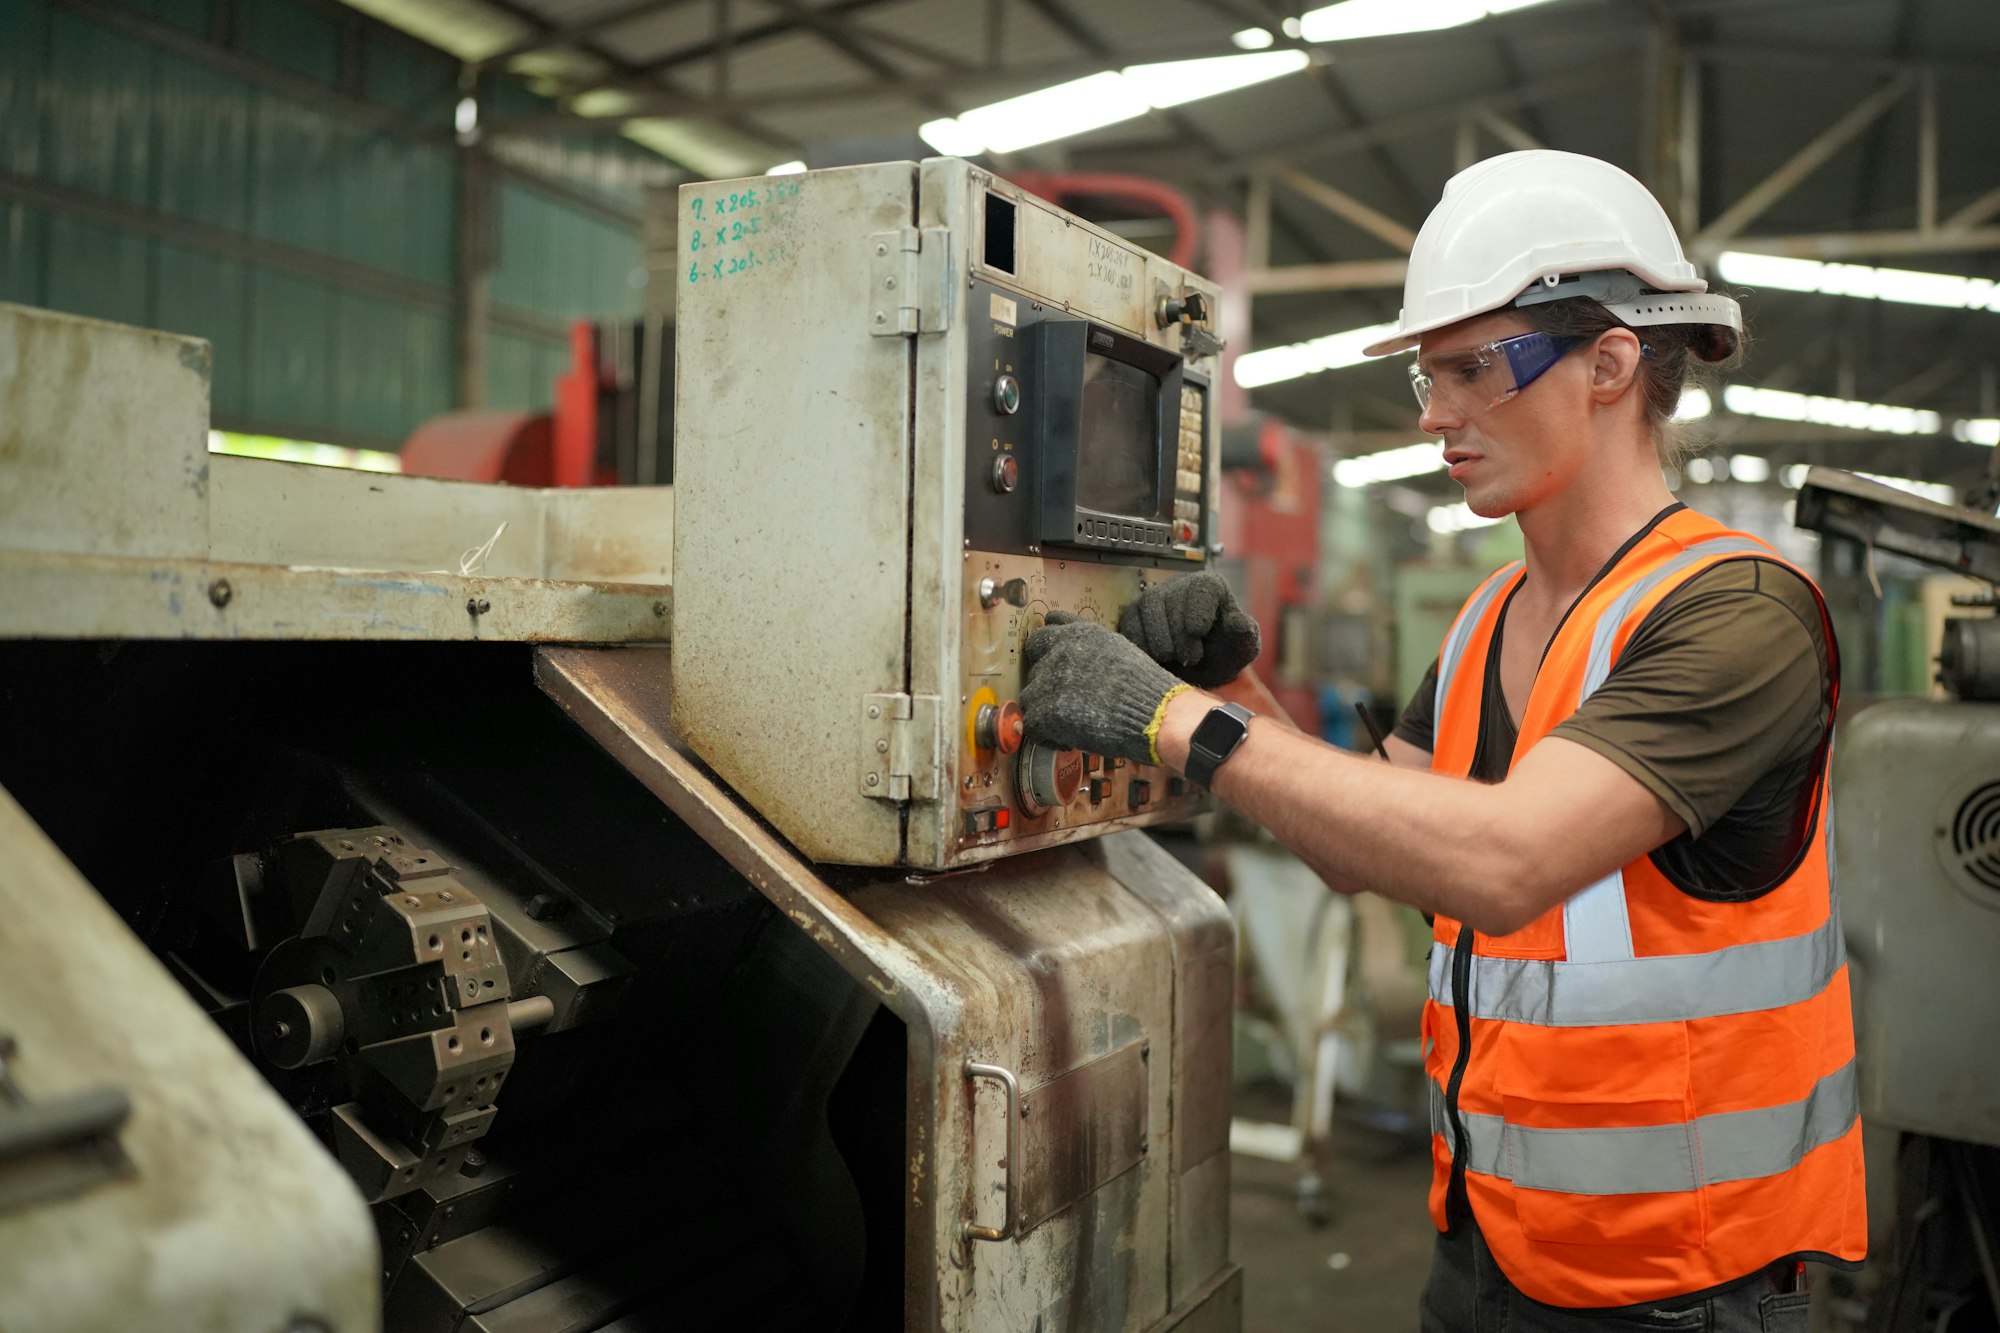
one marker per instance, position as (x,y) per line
(291,352)
(21,233)
(103,272)
(523,263)
(24,42)
(510,368)
(395,204)
(97,131)
(203,123)
(408,76)
(377,387)
(89,108)
(429,213)
(521,371)
(292,37)
(204,295)
(191,15)
(556,259)
(430,351)
(294,193)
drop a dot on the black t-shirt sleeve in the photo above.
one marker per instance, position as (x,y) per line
(1418,724)
(1724,692)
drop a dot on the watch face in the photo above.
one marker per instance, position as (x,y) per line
(1214,740)
(1219,732)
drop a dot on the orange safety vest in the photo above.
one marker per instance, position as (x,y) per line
(1652,1094)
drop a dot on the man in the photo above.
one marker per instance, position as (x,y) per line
(1638,1031)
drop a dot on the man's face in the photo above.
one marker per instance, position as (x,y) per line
(1518,453)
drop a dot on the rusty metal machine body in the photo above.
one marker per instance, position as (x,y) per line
(591,1035)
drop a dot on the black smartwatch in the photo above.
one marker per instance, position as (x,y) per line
(1215,740)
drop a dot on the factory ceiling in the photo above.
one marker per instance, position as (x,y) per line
(1853,131)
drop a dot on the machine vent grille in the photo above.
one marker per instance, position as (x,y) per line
(1975,836)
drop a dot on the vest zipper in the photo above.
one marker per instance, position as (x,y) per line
(1457,1206)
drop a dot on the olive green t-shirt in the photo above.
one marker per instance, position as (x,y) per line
(1720,705)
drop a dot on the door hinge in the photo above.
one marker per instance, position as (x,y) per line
(910,289)
(900,745)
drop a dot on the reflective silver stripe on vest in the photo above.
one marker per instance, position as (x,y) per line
(1741,979)
(1597,925)
(1606,630)
(1709,1150)
(1468,620)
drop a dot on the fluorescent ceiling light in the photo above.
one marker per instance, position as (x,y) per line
(1978,430)
(1750,468)
(1694,405)
(1097,100)
(1780,405)
(1412,460)
(1291,28)
(1388,18)
(1905,286)
(791,168)
(1179,81)
(1794,475)
(1252,39)
(1458,518)
(1274,364)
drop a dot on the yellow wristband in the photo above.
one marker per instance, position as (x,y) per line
(1159,716)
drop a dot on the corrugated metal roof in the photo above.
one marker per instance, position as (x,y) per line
(1380,120)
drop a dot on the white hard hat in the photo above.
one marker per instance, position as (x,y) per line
(1540,225)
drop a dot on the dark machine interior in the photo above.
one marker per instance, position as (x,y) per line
(714,1140)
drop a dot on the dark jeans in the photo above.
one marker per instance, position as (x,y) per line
(1467,1293)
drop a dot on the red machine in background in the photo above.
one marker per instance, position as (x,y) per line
(613,422)
(1273,475)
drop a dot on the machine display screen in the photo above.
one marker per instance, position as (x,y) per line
(1117,460)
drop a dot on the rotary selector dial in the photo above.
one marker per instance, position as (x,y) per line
(1046,778)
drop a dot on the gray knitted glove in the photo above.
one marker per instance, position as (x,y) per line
(1088,689)
(1192,626)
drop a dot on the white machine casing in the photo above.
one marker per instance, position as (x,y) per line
(841,335)
(1915,845)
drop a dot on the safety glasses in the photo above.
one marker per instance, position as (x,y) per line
(1473,379)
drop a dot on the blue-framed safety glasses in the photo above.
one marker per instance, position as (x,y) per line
(1472,379)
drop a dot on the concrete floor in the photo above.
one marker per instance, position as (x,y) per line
(1359,1272)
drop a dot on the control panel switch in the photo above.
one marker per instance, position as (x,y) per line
(999,727)
(992,592)
(993,819)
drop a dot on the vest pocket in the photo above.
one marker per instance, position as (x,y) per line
(1598,1144)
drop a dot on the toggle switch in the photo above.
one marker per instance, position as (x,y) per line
(992,592)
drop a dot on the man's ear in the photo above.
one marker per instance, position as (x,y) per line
(1614,365)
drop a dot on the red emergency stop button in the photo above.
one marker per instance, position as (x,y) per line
(999,727)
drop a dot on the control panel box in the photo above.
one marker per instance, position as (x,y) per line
(918,409)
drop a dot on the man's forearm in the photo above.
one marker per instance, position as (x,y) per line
(1436,843)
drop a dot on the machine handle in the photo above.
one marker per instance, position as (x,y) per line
(1012,1085)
